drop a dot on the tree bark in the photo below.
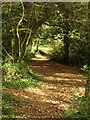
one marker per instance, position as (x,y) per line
(66,49)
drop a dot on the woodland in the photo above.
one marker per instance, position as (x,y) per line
(46,60)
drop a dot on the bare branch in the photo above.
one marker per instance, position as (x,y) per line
(27,43)
(18,30)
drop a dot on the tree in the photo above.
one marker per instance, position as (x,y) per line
(24,20)
(69,22)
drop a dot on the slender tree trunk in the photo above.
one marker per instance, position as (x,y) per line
(66,40)
(66,49)
(25,46)
(18,36)
(37,45)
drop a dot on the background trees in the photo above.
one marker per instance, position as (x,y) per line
(24,19)
(62,26)
(49,22)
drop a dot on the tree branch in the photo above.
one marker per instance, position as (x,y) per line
(8,53)
(18,30)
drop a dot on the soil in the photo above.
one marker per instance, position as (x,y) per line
(52,98)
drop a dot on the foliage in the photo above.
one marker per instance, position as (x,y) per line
(85,68)
(78,50)
(45,48)
(21,22)
(19,76)
(69,22)
(35,24)
(57,53)
(78,109)
(7,106)
(25,22)
(27,59)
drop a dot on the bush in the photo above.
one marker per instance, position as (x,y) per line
(79,52)
(57,54)
(28,57)
(7,106)
(80,105)
(78,109)
(18,75)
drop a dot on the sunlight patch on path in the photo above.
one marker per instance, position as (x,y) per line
(60,84)
(40,58)
(35,90)
(51,101)
(69,75)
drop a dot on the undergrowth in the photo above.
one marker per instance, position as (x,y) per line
(7,106)
(78,109)
(19,75)
(57,53)
(16,76)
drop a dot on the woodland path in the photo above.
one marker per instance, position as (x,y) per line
(49,100)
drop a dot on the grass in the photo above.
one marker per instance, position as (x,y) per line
(16,76)
(7,106)
(19,76)
(21,84)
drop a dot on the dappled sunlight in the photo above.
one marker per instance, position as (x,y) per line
(44,67)
(68,75)
(35,90)
(45,55)
(62,92)
(51,101)
(79,91)
(60,84)
(40,58)
(74,81)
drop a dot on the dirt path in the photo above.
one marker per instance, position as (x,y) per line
(61,83)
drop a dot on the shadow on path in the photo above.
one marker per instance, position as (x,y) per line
(60,84)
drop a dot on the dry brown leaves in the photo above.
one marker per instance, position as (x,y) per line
(61,83)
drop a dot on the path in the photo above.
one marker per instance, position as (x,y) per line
(55,95)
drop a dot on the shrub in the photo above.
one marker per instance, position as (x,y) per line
(18,75)
(7,106)
(78,109)
(79,52)
(28,57)
(57,54)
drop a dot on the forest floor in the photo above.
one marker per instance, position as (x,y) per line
(60,84)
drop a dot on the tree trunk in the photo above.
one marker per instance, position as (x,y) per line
(66,49)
